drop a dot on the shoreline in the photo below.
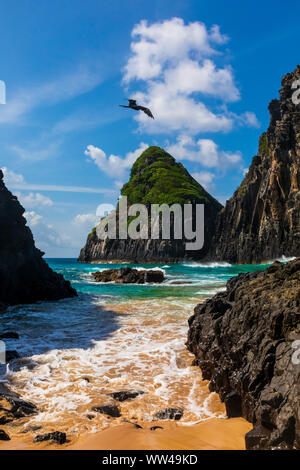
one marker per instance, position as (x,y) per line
(211,434)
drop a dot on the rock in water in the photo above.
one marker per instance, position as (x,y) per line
(125,395)
(25,277)
(110,410)
(129,276)
(156,178)
(4,436)
(261,221)
(56,436)
(244,342)
(169,413)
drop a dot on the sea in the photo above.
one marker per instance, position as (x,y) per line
(75,352)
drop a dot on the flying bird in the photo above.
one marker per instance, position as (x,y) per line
(133,105)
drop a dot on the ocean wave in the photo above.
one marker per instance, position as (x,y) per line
(220,264)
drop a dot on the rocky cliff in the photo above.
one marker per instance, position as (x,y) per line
(262,219)
(24,276)
(246,342)
(156,178)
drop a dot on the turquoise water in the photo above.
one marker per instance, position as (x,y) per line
(205,279)
(120,336)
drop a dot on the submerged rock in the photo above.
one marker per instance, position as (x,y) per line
(129,276)
(169,413)
(11,355)
(125,395)
(9,335)
(243,340)
(4,436)
(110,410)
(13,407)
(56,436)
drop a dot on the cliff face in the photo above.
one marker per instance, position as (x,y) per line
(24,276)
(156,178)
(262,219)
(245,341)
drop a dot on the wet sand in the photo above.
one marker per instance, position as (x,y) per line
(213,434)
(146,353)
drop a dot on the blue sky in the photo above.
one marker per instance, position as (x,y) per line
(206,69)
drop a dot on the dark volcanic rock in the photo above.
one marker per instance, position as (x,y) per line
(261,221)
(128,276)
(4,436)
(24,276)
(11,354)
(156,178)
(125,395)
(243,340)
(56,436)
(9,335)
(169,413)
(13,407)
(110,410)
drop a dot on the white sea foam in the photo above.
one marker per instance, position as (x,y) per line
(208,265)
(146,352)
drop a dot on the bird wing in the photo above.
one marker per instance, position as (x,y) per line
(146,111)
(132,102)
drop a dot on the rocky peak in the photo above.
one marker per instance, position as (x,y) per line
(262,219)
(156,178)
(24,275)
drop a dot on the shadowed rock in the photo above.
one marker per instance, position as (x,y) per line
(9,335)
(13,407)
(24,275)
(129,276)
(4,436)
(243,340)
(261,221)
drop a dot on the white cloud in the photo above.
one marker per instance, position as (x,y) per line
(114,166)
(203,151)
(33,218)
(189,77)
(87,220)
(250,119)
(176,62)
(167,42)
(45,236)
(17,181)
(12,178)
(205,178)
(32,200)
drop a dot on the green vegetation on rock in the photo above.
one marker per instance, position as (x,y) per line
(264,147)
(156,178)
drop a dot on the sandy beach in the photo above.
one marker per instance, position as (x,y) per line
(213,434)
